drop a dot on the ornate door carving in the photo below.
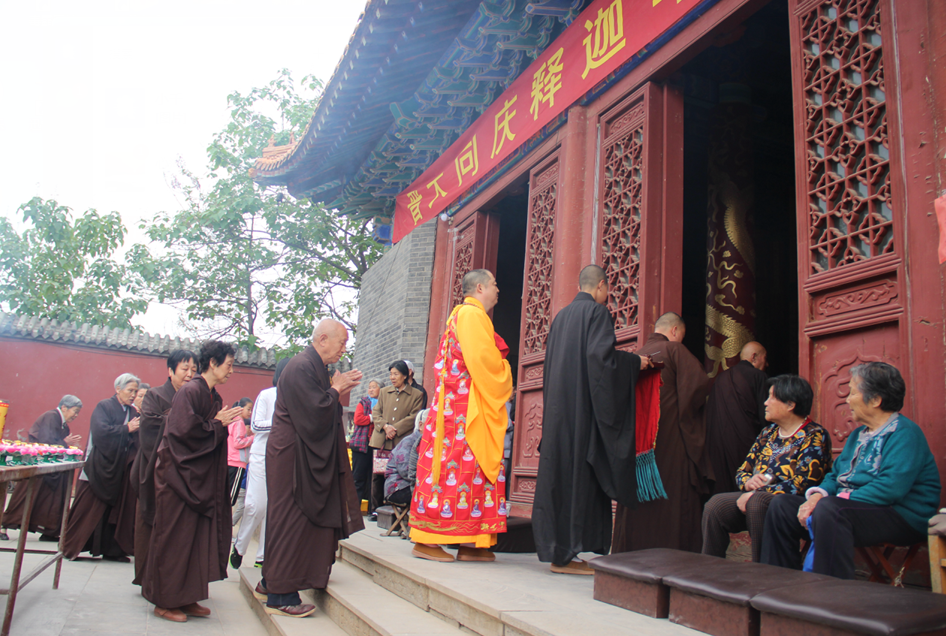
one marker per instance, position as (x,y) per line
(637,209)
(536,321)
(475,240)
(849,203)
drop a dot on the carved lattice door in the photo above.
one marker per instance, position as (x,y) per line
(536,321)
(639,212)
(849,200)
(474,246)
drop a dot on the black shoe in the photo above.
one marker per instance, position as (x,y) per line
(46,537)
(236,559)
(117,559)
(258,564)
(373,516)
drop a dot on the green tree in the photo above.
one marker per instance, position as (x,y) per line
(64,269)
(238,258)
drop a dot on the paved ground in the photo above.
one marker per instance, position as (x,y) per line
(97,597)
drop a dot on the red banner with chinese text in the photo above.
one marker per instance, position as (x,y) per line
(605,36)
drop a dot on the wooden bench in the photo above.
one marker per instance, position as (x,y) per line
(726,598)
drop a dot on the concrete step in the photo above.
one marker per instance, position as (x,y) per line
(318,623)
(351,605)
(514,596)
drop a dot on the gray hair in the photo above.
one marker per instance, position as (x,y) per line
(880,379)
(380,383)
(124,380)
(144,385)
(474,278)
(70,402)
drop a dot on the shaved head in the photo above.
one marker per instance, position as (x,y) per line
(328,327)
(754,353)
(668,321)
(590,277)
(329,339)
(750,349)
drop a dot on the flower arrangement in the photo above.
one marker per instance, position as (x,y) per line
(17,453)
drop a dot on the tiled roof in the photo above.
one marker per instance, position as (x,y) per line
(53,331)
(415,75)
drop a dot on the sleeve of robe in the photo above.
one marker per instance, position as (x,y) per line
(49,429)
(612,377)
(491,386)
(692,388)
(313,409)
(110,437)
(192,436)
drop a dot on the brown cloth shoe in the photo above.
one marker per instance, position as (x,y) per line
(175,615)
(195,609)
(435,553)
(574,567)
(294,611)
(474,554)
(260,592)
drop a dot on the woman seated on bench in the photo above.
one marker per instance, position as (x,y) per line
(882,489)
(790,455)
(401,473)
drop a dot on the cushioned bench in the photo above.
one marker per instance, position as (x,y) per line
(716,600)
(844,608)
(634,580)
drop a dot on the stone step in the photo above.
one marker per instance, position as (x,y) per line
(351,605)
(318,623)
(514,596)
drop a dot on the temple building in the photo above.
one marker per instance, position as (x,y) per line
(769,169)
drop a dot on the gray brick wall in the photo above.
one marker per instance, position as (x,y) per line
(393,308)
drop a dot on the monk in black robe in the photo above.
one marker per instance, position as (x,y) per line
(49,497)
(735,415)
(190,539)
(102,483)
(679,452)
(312,501)
(155,407)
(588,452)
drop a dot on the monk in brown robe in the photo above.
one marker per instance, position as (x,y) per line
(155,406)
(312,498)
(95,513)
(49,497)
(191,536)
(735,415)
(673,522)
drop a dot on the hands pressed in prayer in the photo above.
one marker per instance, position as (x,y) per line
(72,440)
(228,416)
(345,382)
(133,425)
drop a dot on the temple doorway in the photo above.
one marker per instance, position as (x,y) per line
(739,240)
(512,211)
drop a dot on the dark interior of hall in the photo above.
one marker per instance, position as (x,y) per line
(512,211)
(758,57)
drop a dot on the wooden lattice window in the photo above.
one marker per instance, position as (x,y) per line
(462,265)
(621,198)
(848,169)
(543,195)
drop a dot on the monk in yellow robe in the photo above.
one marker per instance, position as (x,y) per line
(460,497)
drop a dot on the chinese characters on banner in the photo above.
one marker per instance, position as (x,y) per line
(605,36)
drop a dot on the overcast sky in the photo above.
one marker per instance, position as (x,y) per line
(101,98)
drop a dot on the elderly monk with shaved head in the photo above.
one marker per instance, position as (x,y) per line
(735,415)
(673,522)
(312,502)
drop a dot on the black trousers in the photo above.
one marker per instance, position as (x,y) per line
(361,472)
(722,516)
(401,497)
(839,526)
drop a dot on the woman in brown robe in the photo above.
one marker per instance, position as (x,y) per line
(102,484)
(192,531)
(51,428)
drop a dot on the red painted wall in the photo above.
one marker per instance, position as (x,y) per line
(34,375)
